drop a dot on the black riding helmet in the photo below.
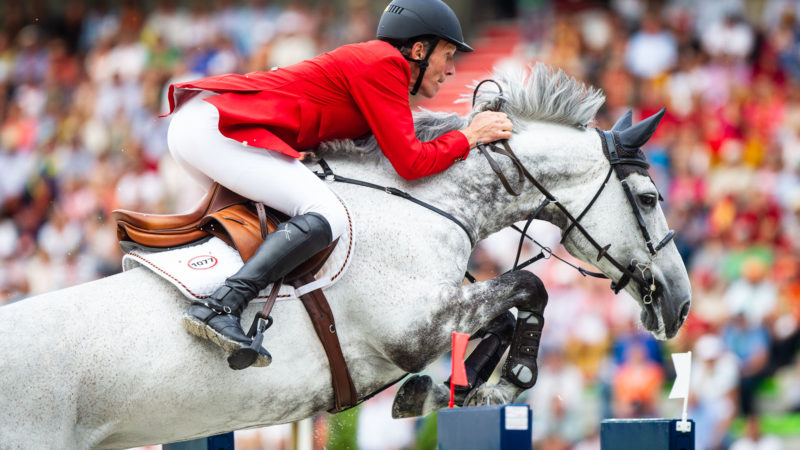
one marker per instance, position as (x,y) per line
(406,19)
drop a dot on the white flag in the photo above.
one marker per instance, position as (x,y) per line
(683,370)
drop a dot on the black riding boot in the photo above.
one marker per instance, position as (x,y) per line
(217,319)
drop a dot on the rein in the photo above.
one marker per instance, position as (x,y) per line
(328,175)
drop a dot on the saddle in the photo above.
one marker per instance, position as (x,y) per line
(241,223)
(244,224)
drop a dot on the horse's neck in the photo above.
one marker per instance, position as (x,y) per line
(568,162)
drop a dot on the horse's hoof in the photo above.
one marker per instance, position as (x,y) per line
(419,396)
(243,358)
(487,394)
(410,398)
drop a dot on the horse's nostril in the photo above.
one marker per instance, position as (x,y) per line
(685,309)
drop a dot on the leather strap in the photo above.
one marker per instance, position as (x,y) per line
(273,295)
(264,313)
(328,175)
(496,168)
(344,391)
(262,219)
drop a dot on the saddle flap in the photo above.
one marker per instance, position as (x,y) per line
(239,227)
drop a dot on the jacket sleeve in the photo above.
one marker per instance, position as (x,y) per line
(381,94)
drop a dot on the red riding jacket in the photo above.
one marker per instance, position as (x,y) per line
(342,94)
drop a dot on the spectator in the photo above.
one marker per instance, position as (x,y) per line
(637,384)
(652,50)
(750,343)
(730,36)
(556,400)
(715,377)
(754,296)
(753,439)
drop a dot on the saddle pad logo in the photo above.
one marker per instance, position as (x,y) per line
(202,262)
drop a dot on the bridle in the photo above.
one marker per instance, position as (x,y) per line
(612,148)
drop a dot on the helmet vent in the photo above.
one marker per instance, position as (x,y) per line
(395,9)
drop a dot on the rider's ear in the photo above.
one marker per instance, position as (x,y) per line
(418,50)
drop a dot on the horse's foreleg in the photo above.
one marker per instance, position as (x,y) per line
(520,369)
(419,395)
(495,338)
(493,298)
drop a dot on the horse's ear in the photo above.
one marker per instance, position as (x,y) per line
(624,122)
(637,135)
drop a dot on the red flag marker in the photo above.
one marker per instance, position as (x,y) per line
(458,375)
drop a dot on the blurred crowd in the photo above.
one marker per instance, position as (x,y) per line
(727,159)
(81,89)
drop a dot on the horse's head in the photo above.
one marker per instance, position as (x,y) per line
(601,195)
(632,242)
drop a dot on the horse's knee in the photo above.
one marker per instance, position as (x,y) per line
(533,288)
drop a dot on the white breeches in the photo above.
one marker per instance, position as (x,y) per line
(266,176)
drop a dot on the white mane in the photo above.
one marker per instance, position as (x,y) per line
(540,93)
(537,94)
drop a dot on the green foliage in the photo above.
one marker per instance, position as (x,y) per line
(426,436)
(776,424)
(342,433)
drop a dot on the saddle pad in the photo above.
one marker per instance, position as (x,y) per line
(198,270)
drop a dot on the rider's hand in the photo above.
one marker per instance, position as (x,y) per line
(488,126)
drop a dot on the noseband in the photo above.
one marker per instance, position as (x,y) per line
(612,149)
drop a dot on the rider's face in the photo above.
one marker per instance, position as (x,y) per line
(440,66)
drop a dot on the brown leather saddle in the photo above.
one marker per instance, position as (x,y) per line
(240,222)
(244,224)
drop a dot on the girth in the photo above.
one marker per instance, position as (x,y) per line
(319,311)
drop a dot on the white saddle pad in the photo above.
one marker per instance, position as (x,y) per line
(198,270)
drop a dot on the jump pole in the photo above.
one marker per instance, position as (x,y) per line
(218,442)
(496,427)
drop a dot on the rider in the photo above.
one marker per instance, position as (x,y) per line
(245,132)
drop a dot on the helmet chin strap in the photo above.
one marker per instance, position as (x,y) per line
(423,65)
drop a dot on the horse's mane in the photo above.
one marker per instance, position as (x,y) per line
(537,94)
(542,94)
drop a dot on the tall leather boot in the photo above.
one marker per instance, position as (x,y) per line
(217,319)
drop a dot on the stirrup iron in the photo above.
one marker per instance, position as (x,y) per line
(244,357)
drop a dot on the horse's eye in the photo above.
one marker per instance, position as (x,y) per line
(648,199)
